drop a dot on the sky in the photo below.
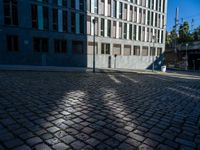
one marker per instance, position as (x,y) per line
(188,10)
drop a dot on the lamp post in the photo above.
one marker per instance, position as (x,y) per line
(94,44)
(154,38)
(186,59)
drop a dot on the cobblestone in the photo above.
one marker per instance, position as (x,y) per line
(57,110)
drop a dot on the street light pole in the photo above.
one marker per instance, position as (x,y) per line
(94,44)
(186,56)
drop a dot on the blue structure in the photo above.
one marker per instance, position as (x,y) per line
(43,32)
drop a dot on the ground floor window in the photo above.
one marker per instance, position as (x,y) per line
(105,48)
(136,50)
(77,47)
(159,51)
(144,51)
(40,44)
(60,46)
(116,49)
(152,51)
(127,50)
(91,46)
(12,43)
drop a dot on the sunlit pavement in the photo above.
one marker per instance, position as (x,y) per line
(57,110)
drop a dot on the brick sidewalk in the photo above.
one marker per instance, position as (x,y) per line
(56,110)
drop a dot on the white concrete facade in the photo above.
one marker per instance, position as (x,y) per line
(126,36)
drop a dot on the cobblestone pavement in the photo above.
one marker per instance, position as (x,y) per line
(57,110)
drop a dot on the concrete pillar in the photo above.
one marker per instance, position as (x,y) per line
(106,7)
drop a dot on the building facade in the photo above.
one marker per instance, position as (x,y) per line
(128,33)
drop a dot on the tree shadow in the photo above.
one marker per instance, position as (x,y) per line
(158,62)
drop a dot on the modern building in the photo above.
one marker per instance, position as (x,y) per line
(128,33)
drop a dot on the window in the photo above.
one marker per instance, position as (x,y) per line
(65,25)
(162,38)
(140,16)
(81,5)
(160,5)
(158,35)
(88,25)
(77,47)
(120,30)
(157,5)
(156,19)
(81,21)
(125,12)
(73,22)
(10,12)
(55,19)
(139,33)
(135,14)
(163,6)
(12,43)
(149,4)
(35,20)
(45,1)
(116,49)
(127,50)
(96,6)
(136,51)
(134,32)
(114,8)
(64,3)
(34,16)
(144,51)
(105,48)
(114,29)
(144,16)
(147,35)
(91,48)
(60,46)
(131,13)
(120,10)
(152,20)
(152,51)
(163,21)
(144,3)
(151,34)
(102,7)
(152,4)
(89,5)
(40,44)
(109,28)
(73,4)
(102,27)
(109,8)
(125,30)
(159,51)
(143,34)
(46,18)
(148,18)
(130,31)
(55,2)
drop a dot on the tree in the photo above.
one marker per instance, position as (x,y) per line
(196,34)
(184,34)
(171,37)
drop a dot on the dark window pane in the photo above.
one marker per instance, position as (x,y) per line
(65,21)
